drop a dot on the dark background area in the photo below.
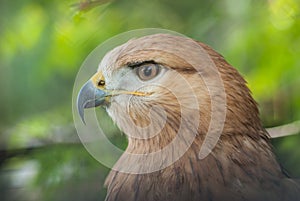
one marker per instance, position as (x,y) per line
(43,44)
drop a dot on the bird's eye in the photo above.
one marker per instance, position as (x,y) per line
(147,71)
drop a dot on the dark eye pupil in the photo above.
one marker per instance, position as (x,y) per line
(147,71)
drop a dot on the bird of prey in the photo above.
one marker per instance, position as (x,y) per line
(193,128)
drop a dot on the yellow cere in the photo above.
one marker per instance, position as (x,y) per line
(96,78)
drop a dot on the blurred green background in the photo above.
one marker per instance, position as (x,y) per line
(43,44)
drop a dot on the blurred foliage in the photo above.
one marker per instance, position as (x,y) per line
(43,44)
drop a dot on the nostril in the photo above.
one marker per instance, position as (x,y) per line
(101,83)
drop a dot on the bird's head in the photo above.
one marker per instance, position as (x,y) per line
(152,84)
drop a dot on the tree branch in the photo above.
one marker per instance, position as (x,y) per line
(88,4)
(285,130)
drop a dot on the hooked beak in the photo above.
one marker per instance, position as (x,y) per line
(94,94)
(89,96)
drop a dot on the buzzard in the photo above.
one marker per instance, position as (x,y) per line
(193,128)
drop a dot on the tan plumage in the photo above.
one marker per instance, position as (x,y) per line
(241,166)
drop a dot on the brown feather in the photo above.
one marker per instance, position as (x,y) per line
(242,166)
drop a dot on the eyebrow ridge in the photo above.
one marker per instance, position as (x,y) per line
(139,63)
